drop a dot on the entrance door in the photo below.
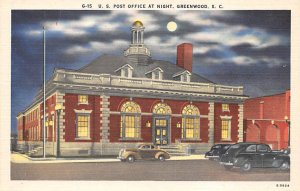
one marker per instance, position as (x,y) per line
(161,131)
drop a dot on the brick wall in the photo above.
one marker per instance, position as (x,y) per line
(146,105)
(233,112)
(71,104)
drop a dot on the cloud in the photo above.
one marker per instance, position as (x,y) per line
(94,46)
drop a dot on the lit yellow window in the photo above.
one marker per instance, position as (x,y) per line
(82,99)
(225,129)
(82,126)
(161,122)
(225,107)
(130,120)
(162,108)
(190,122)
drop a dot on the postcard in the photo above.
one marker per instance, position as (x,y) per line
(142,95)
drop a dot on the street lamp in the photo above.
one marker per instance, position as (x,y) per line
(58,109)
(289,125)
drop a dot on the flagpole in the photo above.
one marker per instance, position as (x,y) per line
(44,93)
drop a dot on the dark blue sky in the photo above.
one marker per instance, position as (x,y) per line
(248,48)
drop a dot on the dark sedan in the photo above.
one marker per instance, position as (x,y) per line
(217,151)
(254,155)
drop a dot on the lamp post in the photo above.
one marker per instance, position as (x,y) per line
(58,109)
(289,126)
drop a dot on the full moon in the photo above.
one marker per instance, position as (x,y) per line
(171,26)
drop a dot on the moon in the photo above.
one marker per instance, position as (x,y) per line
(171,26)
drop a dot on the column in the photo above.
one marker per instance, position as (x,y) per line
(241,123)
(211,123)
(104,118)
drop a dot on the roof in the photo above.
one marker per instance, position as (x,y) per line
(108,64)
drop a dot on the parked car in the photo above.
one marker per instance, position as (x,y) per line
(143,152)
(217,151)
(254,155)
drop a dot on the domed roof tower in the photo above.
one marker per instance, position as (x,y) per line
(137,51)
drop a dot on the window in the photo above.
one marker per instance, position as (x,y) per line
(251,148)
(126,71)
(262,148)
(130,120)
(225,107)
(83,126)
(82,99)
(225,130)
(155,75)
(162,108)
(190,122)
(183,76)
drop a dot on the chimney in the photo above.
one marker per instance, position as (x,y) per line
(185,56)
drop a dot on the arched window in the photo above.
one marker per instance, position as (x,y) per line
(162,108)
(130,120)
(190,122)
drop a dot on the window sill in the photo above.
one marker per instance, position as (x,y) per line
(186,140)
(130,139)
(82,139)
(227,140)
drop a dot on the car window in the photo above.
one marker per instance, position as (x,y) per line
(251,148)
(262,148)
(226,147)
(146,147)
(216,147)
(235,146)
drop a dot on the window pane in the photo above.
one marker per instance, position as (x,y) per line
(83,126)
(225,107)
(83,99)
(225,129)
(191,128)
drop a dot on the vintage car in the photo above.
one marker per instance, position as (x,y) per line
(254,155)
(143,152)
(217,151)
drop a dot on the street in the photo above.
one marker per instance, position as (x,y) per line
(188,170)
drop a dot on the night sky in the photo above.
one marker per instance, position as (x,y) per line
(246,48)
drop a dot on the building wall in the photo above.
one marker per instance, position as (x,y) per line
(146,105)
(106,140)
(233,112)
(21,127)
(51,118)
(71,104)
(268,107)
(265,120)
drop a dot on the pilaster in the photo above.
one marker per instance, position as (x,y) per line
(241,123)
(211,122)
(60,99)
(104,118)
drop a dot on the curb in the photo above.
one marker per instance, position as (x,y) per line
(72,160)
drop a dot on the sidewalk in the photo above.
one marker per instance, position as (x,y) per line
(21,158)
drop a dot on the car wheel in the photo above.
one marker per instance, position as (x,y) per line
(130,159)
(161,158)
(228,167)
(246,167)
(284,166)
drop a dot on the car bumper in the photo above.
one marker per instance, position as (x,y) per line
(214,157)
(226,163)
(121,158)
